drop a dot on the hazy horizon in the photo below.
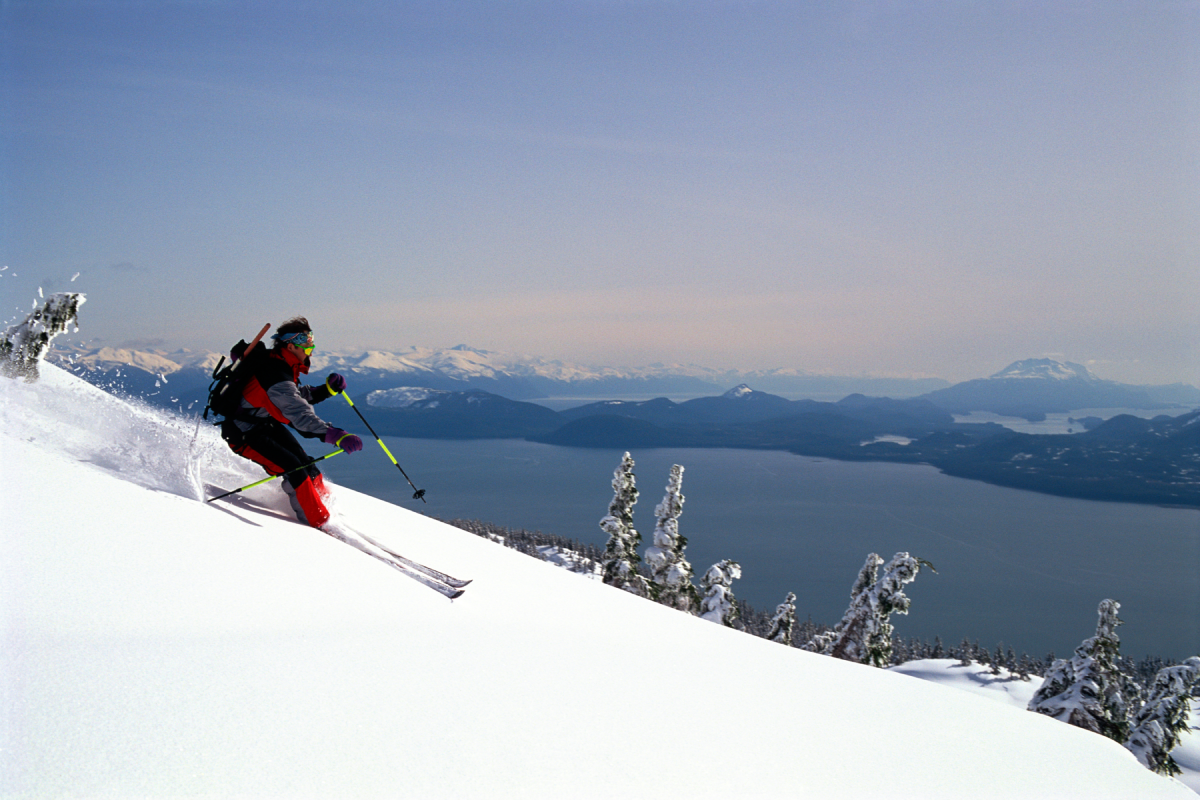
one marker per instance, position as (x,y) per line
(74,343)
(931,189)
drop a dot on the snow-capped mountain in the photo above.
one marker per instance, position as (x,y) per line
(460,368)
(463,363)
(1035,387)
(1044,368)
(156,363)
(406,397)
(160,646)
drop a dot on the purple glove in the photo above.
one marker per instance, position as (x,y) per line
(336,383)
(347,441)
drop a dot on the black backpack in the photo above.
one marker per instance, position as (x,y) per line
(225,391)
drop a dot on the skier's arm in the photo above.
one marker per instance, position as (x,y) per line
(315,394)
(299,412)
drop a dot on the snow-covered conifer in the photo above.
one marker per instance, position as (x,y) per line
(1024,667)
(1158,724)
(620,565)
(784,621)
(23,345)
(865,633)
(670,572)
(939,649)
(1088,690)
(719,604)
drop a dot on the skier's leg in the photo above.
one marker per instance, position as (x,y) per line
(274,448)
(319,482)
(306,502)
(307,485)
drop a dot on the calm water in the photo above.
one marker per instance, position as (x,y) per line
(1015,567)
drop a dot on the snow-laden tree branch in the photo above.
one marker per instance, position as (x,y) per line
(670,571)
(784,621)
(621,557)
(865,634)
(1088,690)
(719,604)
(23,345)
(1159,723)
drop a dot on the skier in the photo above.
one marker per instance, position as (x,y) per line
(272,399)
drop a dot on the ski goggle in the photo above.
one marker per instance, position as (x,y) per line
(301,339)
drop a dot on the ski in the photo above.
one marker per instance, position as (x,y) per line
(438,586)
(457,583)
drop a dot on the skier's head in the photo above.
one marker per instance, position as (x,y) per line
(296,332)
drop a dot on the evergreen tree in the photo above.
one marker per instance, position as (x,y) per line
(784,621)
(901,650)
(620,564)
(865,633)
(997,660)
(719,604)
(807,631)
(670,572)
(964,653)
(1158,724)
(23,345)
(1088,690)
(939,650)
(1024,667)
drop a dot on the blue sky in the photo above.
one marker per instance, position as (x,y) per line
(897,188)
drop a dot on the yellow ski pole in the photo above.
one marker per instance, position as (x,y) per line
(419,493)
(273,477)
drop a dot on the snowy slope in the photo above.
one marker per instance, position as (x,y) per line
(1005,687)
(974,678)
(158,646)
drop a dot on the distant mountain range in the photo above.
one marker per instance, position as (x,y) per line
(436,394)
(1027,388)
(180,378)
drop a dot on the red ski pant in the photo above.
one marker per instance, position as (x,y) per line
(275,449)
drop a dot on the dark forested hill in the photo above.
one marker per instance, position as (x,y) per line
(1124,459)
